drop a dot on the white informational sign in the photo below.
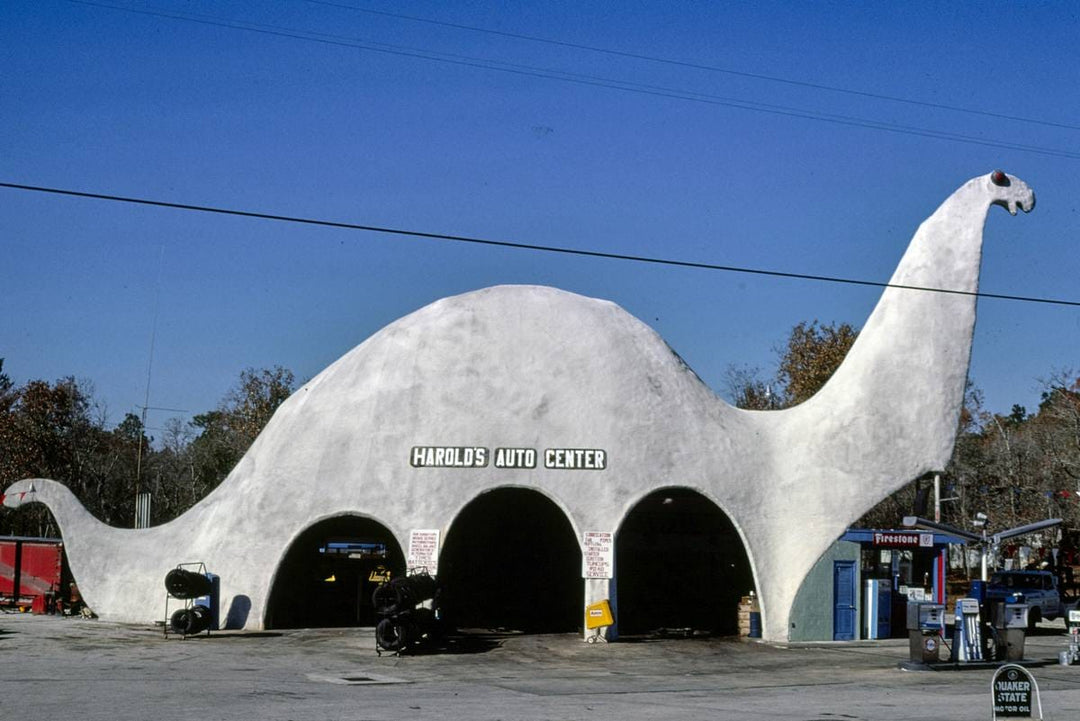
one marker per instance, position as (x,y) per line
(598,556)
(423,551)
(914,593)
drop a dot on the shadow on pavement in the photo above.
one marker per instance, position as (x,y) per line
(668,634)
(462,642)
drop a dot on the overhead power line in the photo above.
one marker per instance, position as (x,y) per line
(591,80)
(521,246)
(697,66)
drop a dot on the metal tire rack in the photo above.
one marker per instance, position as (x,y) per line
(184,603)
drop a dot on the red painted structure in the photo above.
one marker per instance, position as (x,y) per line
(31,572)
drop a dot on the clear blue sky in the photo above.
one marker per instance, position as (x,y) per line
(338,114)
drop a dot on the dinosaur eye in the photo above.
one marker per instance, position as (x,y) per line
(998,177)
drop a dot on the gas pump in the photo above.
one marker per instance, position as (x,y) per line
(967,642)
(926,627)
(1073,654)
(1009,622)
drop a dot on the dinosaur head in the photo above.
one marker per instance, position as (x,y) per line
(18,493)
(1009,192)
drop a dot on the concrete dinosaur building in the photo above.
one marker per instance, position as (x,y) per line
(540,450)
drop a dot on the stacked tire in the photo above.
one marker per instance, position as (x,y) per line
(190,621)
(187,585)
(403,622)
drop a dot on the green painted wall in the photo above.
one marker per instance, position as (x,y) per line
(812,613)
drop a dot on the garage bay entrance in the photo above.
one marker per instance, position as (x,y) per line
(680,566)
(329,573)
(511,561)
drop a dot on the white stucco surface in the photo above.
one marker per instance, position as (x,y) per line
(536,367)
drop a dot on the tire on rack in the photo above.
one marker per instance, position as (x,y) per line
(392,634)
(387,599)
(200,619)
(181,583)
(180,621)
(190,621)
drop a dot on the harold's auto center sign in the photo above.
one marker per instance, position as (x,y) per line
(563,459)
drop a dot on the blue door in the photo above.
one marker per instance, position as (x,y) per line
(844,617)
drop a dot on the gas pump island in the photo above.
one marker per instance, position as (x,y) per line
(998,634)
(985,629)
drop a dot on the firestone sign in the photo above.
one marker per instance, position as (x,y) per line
(904,540)
(568,459)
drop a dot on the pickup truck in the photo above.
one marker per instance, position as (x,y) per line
(1038,589)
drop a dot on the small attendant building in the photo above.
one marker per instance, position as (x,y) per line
(859,589)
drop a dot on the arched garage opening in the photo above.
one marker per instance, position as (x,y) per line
(329,573)
(679,564)
(511,560)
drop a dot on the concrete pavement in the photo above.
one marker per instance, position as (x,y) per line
(60,668)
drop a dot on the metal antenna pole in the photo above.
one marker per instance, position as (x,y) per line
(937,498)
(146,398)
(985,553)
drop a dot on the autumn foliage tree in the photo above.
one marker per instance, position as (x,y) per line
(225,434)
(57,431)
(812,353)
(1019,467)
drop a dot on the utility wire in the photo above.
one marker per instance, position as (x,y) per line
(589,80)
(697,66)
(522,246)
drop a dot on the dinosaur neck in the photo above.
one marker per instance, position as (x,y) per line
(70,514)
(906,372)
(946,250)
(86,539)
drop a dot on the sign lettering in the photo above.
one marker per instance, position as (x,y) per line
(588,459)
(515,458)
(559,459)
(448,457)
(424,551)
(598,556)
(904,540)
(1015,693)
